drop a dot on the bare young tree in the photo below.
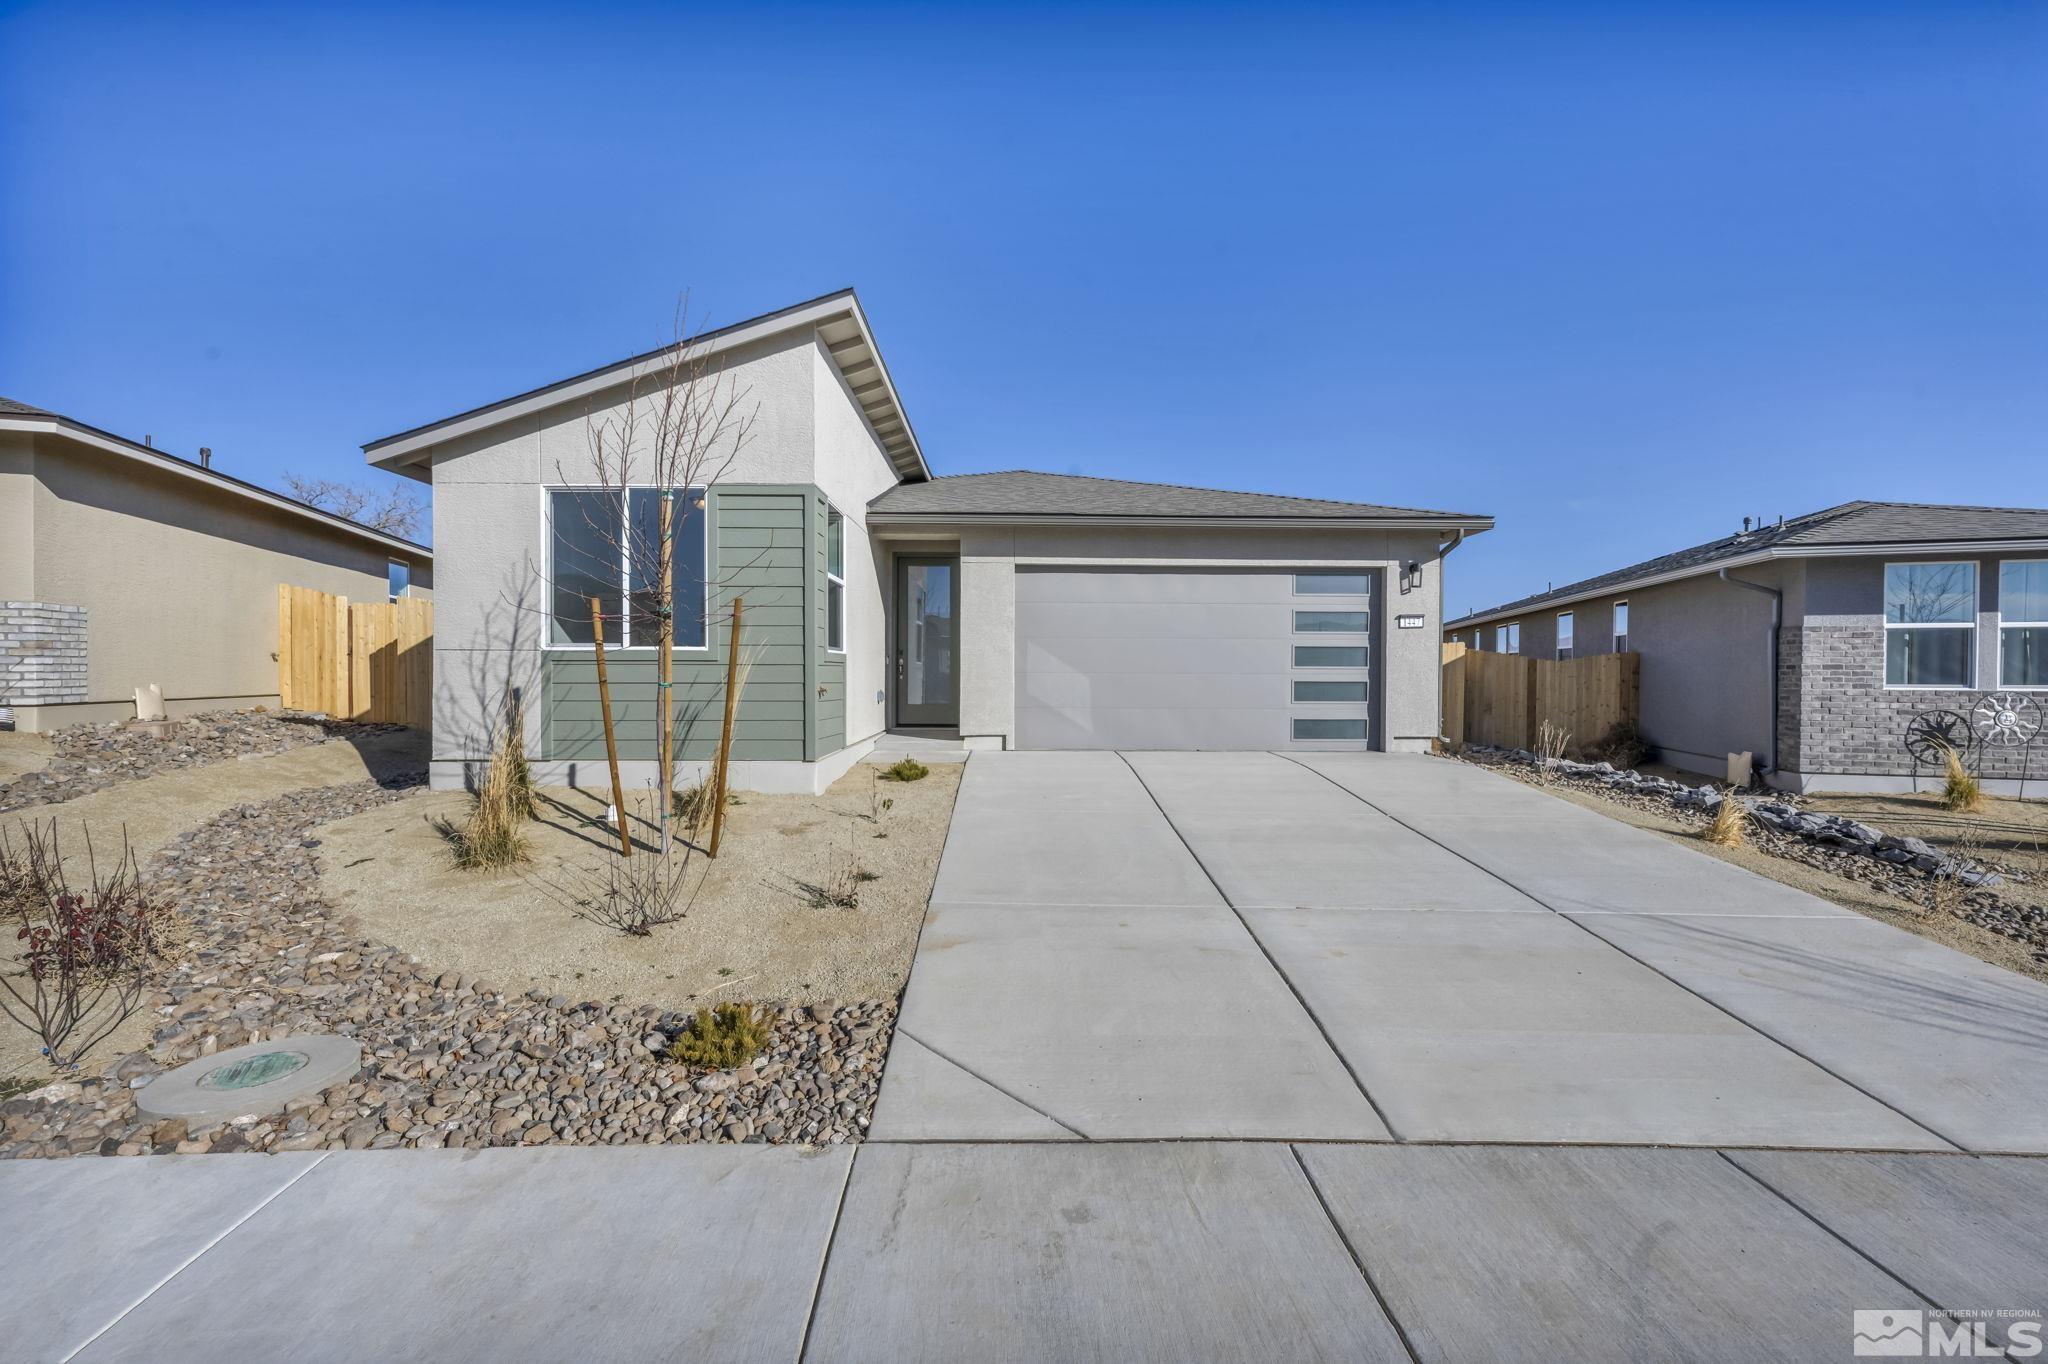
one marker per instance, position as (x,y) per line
(391,510)
(680,428)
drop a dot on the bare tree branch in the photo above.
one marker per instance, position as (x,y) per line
(390,510)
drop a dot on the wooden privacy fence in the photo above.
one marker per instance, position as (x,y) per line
(1503,699)
(360,661)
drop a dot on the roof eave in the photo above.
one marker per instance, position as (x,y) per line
(1470,525)
(410,451)
(120,445)
(1863,549)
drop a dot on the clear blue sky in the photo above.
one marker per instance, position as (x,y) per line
(1616,274)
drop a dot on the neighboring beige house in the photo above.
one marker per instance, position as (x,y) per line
(121,565)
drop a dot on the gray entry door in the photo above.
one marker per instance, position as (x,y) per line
(927,614)
(1195,658)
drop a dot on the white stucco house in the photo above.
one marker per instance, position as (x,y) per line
(1012,610)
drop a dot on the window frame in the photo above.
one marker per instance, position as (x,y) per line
(549,644)
(1561,647)
(1507,639)
(1620,623)
(403,592)
(1998,639)
(832,617)
(1976,603)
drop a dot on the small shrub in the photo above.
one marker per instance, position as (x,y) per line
(841,888)
(1621,746)
(1960,791)
(638,892)
(511,755)
(1550,746)
(85,952)
(906,769)
(721,1038)
(1730,828)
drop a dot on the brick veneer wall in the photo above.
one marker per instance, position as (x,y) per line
(42,653)
(1845,720)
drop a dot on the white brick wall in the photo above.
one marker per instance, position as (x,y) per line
(42,653)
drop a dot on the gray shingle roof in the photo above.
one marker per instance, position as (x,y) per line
(11,408)
(1851,523)
(1021,492)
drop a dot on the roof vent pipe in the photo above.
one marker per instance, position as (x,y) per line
(1745,525)
(206,456)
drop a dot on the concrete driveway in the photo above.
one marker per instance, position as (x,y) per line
(1382,948)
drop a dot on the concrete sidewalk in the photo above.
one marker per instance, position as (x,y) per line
(1371,947)
(1168,1252)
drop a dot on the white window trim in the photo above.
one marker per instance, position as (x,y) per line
(1621,632)
(1976,597)
(1502,640)
(1558,643)
(1998,639)
(831,577)
(547,539)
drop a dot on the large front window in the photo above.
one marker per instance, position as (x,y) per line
(606,548)
(2023,623)
(1930,624)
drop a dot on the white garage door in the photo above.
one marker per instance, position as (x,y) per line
(1194,658)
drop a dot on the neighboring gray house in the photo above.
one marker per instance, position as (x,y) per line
(1014,610)
(123,565)
(1814,643)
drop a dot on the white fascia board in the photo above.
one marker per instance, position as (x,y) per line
(1883,549)
(156,459)
(408,447)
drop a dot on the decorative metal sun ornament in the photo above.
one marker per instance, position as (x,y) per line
(1931,734)
(2006,719)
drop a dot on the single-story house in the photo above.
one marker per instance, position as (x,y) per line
(123,565)
(1819,644)
(1012,610)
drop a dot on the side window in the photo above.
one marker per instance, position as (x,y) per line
(2023,624)
(1564,634)
(398,578)
(1621,627)
(835,581)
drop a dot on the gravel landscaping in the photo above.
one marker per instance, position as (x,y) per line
(452,1060)
(2004,902)
(88,758)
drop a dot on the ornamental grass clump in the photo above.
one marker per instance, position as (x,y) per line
(721,1038)
(1960,791)
(491,839)
(906,769)
(1730,828)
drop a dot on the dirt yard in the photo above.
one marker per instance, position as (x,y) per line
(751,931)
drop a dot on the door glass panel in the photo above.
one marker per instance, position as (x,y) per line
(928,634)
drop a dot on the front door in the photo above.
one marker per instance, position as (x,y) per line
(927,617)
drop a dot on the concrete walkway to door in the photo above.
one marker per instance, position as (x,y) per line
(1363,947)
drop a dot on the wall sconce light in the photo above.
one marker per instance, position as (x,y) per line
(1411,575)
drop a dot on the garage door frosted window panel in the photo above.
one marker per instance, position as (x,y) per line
(1332,584)
(1332,728)
(1930,624)
(1330,622)
(1329,656)
(1353,692)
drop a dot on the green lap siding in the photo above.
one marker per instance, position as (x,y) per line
(767,549)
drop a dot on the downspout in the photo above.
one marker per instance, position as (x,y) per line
(1777,616)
